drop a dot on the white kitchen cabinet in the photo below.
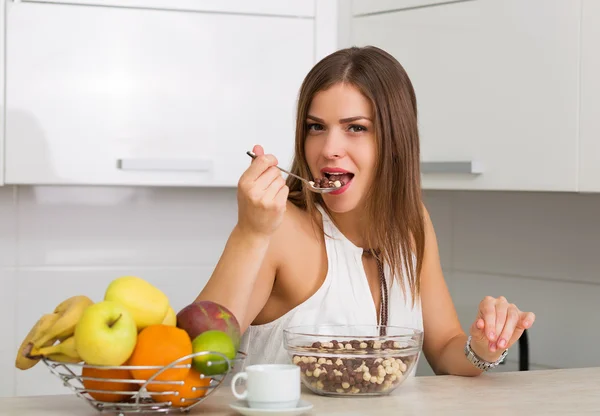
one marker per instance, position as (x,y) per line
(141,95)
(497,89)
(589,173)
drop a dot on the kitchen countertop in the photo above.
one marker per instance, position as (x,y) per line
(567,391)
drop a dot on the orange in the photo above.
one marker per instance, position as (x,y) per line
(114,386)
(186,395)
(160,345)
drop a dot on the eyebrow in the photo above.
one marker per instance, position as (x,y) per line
(342,120)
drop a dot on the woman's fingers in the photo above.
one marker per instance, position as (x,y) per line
(264,181)
(273,189)
(510,324)
(501,318)
(487,311)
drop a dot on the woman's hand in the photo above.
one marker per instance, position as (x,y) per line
(498,326)
(262,196)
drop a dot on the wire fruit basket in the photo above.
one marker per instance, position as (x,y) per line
(150,397)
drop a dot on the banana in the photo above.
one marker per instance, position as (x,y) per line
(23,362)
(59,325)
(69,312)
(66,348)
(62,358)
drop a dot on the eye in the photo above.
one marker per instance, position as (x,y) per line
(314,127)
(357,128)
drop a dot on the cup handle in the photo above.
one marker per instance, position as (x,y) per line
(240,375)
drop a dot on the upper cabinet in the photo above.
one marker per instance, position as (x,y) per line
(174,92)
(590,98)
(497,84)
(160,92)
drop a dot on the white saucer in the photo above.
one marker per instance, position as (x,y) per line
(242,407)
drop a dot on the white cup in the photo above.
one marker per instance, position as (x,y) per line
(269,386)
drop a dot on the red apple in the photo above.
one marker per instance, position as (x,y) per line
(202,316)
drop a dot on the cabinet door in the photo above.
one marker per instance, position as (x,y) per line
(136,96)
(590,98)
(497,89)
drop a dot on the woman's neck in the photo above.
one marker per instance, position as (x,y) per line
(353,225)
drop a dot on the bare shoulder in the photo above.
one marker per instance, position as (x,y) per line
(300,238)
(431,251)
(297,226)
(426,216)
(431,243)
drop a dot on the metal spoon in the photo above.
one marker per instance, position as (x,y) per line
(310,184)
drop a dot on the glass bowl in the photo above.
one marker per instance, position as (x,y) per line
(353,360)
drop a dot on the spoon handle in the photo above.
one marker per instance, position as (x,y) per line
(253,156)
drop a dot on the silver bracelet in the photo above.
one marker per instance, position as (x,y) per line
(478,361)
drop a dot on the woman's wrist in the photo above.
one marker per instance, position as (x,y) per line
(483,352)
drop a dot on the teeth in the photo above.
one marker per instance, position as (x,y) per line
(335,173)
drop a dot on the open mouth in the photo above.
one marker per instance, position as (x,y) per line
(333,178)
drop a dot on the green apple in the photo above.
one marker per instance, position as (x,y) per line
(212,341)
(146,303)
(105,334)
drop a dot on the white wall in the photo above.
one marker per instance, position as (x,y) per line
(540,250)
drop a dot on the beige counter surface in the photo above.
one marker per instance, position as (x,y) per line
(569,391)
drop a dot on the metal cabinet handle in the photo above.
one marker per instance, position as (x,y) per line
(461,167)
(173,165)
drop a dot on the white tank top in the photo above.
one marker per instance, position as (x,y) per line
(344,298)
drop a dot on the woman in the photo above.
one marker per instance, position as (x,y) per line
(300,258)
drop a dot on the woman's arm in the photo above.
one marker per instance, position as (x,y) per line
(244,276)
(444,337)
(496,320)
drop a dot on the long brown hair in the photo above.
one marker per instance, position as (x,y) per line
(397,231)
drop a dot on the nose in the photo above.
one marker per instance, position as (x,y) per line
(334,145)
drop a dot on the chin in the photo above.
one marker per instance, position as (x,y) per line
(341,204)
(346,200)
